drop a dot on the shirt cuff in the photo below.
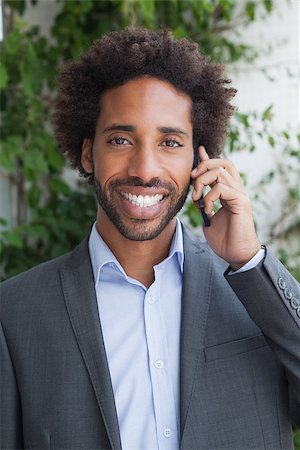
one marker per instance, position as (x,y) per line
(250,264)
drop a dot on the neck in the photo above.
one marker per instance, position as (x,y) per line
(136,257)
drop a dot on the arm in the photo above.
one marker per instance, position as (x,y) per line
(270,295)
(268,292)
(11,434)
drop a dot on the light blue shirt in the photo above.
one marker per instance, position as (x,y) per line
(141,331)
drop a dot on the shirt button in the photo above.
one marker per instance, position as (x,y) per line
(151,299)
(159,364)
(167,432)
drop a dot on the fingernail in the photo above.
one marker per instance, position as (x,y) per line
(194,171)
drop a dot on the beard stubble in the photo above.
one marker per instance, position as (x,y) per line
(139,229)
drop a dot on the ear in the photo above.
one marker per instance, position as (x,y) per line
(86,155)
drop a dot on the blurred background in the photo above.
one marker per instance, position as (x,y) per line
(46,209)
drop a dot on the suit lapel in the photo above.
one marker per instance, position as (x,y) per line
(80,298)
(195,302)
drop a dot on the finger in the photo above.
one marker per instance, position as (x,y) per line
(232,199)
(210,164)
(219,175)
(198,191)
(203,155)
(210,178)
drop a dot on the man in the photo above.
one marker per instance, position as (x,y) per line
(136,340)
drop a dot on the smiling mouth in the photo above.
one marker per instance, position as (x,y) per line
(143,201)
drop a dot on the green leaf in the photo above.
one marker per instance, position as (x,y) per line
(193,214)
(11,44)
(59,187)
(33,196)
(3,76)
(31,71)
(13,238)
(286,135)
(268,114)
(250,10)
(146,10)
(6,161)
(268,4)
(36,111)
(3,221)
(9,149)
(243,176)
(18,5)
(26,80)
(35,160)
(294,193)
(243,119)
(282,256)
(295,153)
(37,231)
(53,156)
(271,141)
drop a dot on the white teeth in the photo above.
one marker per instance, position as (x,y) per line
(142,201)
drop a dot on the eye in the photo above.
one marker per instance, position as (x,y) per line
(171,143)
(119,141)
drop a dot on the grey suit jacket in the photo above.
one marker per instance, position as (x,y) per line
(240,357)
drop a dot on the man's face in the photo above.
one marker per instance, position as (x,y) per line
(142,157)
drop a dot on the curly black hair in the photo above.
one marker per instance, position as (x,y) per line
(118,57)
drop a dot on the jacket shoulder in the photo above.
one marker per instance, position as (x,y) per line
(40,278)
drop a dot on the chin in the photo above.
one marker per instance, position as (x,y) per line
(139,230)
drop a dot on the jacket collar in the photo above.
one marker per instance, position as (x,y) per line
(81,303)
(196,292)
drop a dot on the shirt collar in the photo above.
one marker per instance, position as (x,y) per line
(101,254)
(177,245)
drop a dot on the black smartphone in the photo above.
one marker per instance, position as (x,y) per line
(200,202)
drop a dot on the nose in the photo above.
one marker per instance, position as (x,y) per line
(145,163)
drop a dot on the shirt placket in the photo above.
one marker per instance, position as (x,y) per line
(161,379)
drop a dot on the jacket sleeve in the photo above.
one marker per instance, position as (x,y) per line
(11,434)
(272,298)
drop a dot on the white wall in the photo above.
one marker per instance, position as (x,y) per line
(256,92)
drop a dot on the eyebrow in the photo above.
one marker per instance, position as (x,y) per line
(119,127)
(123,127)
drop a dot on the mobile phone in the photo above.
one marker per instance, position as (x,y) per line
(200,202)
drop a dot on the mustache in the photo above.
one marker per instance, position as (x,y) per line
(136,181)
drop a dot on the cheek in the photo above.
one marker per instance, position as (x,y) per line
(106,169)
(181,171)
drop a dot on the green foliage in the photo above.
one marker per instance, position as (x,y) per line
(297,438)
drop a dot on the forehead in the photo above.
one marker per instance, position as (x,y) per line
(146,98)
